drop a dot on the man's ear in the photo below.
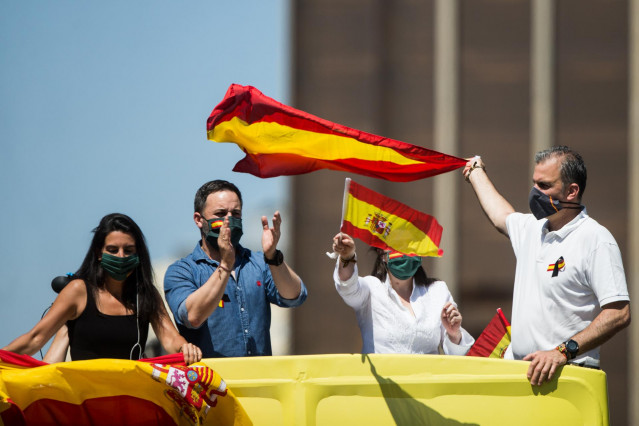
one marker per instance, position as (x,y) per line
(573,193)
(197,218)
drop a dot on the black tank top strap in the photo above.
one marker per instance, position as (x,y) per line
(90,306)
(97,335)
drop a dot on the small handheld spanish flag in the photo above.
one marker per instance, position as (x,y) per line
(382,222)
(494,340)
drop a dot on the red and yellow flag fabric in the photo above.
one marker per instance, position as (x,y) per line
(157,391)
(382,222)
(494,340)
(280,140)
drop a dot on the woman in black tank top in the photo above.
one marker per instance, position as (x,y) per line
(109,304)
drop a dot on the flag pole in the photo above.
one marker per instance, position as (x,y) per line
(347,185)
(503,317)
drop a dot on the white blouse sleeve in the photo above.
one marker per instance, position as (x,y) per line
(462,348)
(353,290)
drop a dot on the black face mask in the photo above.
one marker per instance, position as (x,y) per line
(542,205)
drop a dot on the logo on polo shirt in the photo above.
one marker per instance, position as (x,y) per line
(557,267)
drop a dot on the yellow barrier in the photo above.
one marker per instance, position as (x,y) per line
(353,389)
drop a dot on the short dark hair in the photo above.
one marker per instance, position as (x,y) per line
(573,168)
(211,187)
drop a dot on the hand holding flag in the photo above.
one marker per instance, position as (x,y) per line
(344,246)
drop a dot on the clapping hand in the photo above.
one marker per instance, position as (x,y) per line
(227,251)
(271,236)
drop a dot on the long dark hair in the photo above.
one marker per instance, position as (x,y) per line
(142,277)
(380,271)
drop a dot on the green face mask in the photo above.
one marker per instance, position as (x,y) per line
(119,267)
(404,267)
(235,224)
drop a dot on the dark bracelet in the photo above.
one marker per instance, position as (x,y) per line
(473,167)
(345,262)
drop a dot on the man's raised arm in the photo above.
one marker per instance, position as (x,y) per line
(492,202)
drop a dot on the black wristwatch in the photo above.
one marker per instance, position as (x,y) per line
(572,348)
(277,260)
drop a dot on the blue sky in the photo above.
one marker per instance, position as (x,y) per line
(103,108)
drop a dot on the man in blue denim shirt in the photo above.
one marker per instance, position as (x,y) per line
(220,294)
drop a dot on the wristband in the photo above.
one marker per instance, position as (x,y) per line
(473,167)
(562,350)
(223,268)
(345,262)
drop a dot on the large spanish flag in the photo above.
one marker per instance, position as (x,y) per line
(157,391)
(494,340)
(382,222)
(280,140)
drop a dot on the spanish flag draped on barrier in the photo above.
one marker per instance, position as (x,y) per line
(382,222)
(160,391)
(494,340)
(280,140)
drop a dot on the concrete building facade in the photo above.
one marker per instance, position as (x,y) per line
(497,78)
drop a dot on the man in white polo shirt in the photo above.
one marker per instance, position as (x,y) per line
(570,293)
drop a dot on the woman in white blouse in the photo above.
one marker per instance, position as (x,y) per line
(399,309)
